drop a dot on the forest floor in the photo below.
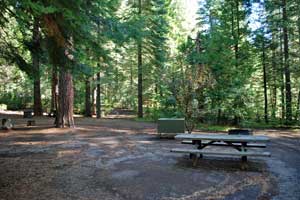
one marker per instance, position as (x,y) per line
(121,159)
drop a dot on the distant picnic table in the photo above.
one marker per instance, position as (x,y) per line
(242,143)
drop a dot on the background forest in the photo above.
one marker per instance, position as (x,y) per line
(231,62)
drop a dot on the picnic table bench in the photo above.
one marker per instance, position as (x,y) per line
(206,142)
(241,143)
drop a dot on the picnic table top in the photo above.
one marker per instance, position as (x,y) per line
(223,137)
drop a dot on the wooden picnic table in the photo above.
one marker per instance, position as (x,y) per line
(239,142)
(223,137)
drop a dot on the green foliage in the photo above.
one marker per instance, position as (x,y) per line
(15,88)
(211,73)
(213,127)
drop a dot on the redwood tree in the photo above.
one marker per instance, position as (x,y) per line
(35,54)
(288,96)
(54,89)
(61,47)
(140,68)
(98,97)
(65,99)
(88,111)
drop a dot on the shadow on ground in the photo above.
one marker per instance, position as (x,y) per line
(122,159)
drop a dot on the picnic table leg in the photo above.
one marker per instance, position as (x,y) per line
(195,160)
(192,155)
(199,142)
(244,158)
(243,148)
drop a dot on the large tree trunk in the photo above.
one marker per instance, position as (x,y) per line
(140,70)
(132,103)
(265,82)
(37,108)
(298,102)
(54,94)
(54,89)
(98,98)
(93,98)
(61,47)
(235,32)
(282,91)
(140,82)
(201,84)
(236,46)
(288,95)
(235,29)
(65,99)
(88,112)
(274,89)
(298,108)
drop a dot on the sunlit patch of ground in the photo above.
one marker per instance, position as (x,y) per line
(123,159)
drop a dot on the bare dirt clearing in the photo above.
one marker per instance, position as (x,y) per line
(123,159)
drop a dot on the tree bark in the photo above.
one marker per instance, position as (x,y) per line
(61,48)
(35,54)
(236,46)
(37,108)
(298,108)
(88,112)
(54,89)
(274,88)
(282,91)
(65,99)
(288,96)
(235,29)
(93,98)
(98,98)
(54,94)
(298,102)
(265,82)
(219,116)
(132,103)
(140,70)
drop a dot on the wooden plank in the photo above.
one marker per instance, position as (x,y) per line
(237,153)
(186,142)
(254,145)
(223,137)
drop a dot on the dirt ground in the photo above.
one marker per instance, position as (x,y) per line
(120,159)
